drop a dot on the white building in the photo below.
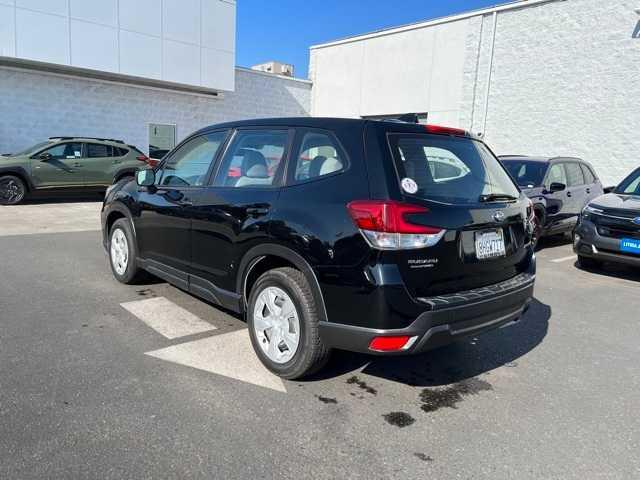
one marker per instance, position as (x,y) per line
(147,71)
(540,77)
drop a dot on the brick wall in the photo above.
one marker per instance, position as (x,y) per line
(565,81)
(35,106)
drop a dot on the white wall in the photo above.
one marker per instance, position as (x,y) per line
(183,41)
(565,79)
(418,70)
(42,105)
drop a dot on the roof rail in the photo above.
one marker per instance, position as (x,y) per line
(88,138)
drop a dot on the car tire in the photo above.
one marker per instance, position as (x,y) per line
(125,179)
(12,190)
(281,306)
(123,252)
(588,263)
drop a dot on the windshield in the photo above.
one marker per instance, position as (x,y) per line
(32,149)
(526,173)
(450,169)
(631,185)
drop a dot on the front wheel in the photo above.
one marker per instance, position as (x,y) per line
(123,252)
(283,324)
(12,190)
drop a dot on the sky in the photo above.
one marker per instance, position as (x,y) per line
(283,30)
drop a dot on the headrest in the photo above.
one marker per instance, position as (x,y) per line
(316,166)
(252,158)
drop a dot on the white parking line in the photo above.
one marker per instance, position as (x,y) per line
(167,318)
(565,259)
(230,354)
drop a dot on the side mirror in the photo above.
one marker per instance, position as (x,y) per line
(557,187)
(145,178)
(45,157)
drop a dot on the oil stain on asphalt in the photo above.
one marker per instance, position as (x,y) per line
(399,419)
(326,399)
(423,456)
(362,384)
(448,397)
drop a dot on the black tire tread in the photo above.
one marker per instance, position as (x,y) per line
(133,275)
(317,353)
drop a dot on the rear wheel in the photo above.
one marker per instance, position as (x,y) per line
(123,252)
(12,190)
(284,324)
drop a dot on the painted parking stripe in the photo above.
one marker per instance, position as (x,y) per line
(167,318)
(564,259)
(229,354)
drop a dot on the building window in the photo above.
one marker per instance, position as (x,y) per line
(162,139)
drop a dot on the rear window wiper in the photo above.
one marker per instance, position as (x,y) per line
(496,197)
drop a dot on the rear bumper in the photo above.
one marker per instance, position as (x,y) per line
(589,243)
(472,313)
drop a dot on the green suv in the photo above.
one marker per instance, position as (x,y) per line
(78,163)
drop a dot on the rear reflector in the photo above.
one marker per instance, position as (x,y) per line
(389,344)
(387,225)
(446,130)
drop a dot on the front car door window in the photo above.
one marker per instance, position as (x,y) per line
(65,151)
(189,165)
(255,159)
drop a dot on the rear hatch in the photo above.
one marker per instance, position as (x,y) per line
(470,205)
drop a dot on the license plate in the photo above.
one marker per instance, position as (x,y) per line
(490,244)
(630,245)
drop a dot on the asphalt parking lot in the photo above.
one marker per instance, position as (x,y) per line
(103,380)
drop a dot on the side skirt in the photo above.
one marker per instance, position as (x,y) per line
(194,284)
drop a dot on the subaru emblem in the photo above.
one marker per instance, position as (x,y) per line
(636,220)
(499,217)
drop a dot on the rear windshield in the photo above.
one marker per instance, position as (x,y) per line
(449,169)
(527,174)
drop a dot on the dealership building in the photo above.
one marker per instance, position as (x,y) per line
(146,71)
(537,77)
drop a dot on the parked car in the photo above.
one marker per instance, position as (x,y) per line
(64,163)
(558,187)
(609,227)
(332,233)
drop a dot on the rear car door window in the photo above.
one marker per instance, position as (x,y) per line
(319,155)
(557,174)
(64,151)
(189,165)
(575,178)
(589,177)
(95,150)
(255,159)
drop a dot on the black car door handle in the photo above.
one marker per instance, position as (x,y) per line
(257,211)
(568,194)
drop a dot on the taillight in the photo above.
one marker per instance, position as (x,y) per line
(386,225)
(149,161)
(446,130)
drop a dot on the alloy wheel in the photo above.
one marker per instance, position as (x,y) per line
(10,191)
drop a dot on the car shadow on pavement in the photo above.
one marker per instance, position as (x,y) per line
(613,270)
(454,363)
(63,198)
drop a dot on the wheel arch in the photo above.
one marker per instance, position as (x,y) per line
(19,172)
(115,212)
(124,173)
(262,258)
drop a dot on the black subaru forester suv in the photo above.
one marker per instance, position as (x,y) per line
(372,236)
